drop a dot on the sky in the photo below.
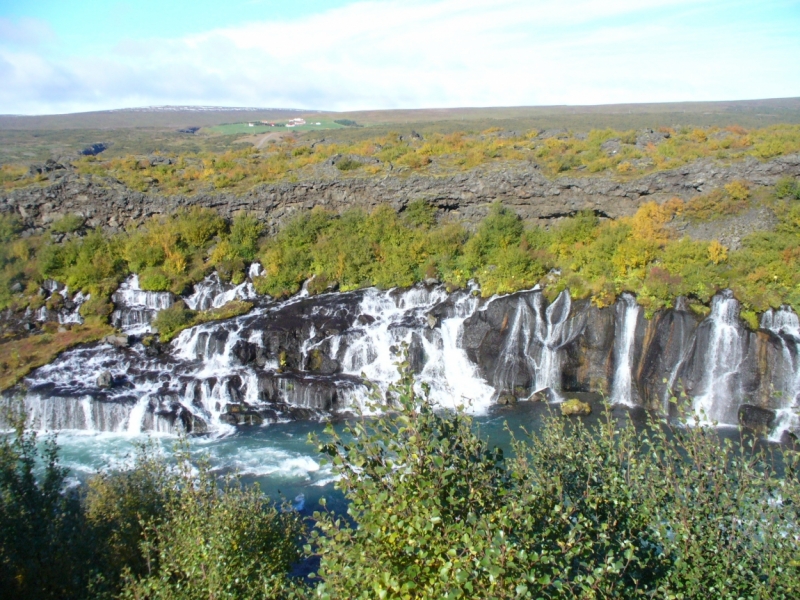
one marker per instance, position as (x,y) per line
(60,56)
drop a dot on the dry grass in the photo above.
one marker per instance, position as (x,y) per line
(605,151)
(20,357)
(232,309)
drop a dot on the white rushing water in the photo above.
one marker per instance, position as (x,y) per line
(308,356)
(719,388)
(553,330)
(396,318)
(627,316)
(135,308)
(213,293)
(211,373)
(516,364)
(66,311)
(530,359)
(453,379)
(785,324)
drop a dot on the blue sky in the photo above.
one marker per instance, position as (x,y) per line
(344,55)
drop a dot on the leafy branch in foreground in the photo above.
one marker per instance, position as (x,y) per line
(216,541)
(576,512)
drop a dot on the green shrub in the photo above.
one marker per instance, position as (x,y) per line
(788,188)
(45,551)
(419,213)
(67,224)
(120,505)
(154,280)
(348,164)
(606,511)
(245,231)
(216,541)
(170,321)
(10,226)
(97,307)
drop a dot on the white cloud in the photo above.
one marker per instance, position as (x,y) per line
(25,31)
(430,54)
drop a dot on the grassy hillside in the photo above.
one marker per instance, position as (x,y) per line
(622,154)
(24,139)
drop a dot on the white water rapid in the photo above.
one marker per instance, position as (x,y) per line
(213,293)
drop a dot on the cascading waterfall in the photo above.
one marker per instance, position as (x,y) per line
(391,319)
(720,386)
(453,379)
(530,357)
(136,308)
(627,316)
(72,316)
(305,356)
(785,324)
(213,293)
(553,330)
(516,364)
(67,311)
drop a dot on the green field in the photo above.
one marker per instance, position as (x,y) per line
(239,128)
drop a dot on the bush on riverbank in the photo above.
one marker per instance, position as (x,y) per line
(156,529)
(574,512)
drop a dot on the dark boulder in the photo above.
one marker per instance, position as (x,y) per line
(757,419)
(94,149)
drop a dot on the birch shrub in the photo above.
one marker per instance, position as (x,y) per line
(606,511)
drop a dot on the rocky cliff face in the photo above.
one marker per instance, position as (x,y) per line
(310,355)
(522,186)
(728,372)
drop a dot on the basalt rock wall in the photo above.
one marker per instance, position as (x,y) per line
(310,355)
(724,368)
(521,186)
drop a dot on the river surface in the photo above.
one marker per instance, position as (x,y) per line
(279,456)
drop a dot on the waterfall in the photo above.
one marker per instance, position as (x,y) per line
(136,416)
(213,293)
(388,320)
(627,316)
(530,357)
(720,386)
(51,413)
(255,270)
(453,379)
(516,365)
(308,356)
(785,324)
(553,330)
(70,314)
(136,308)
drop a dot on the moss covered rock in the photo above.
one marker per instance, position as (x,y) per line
(575,407)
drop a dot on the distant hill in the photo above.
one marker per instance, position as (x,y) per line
(187,129)
(748,113)
(147,117)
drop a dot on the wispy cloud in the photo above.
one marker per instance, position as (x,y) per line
(25,32)
(431,54)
